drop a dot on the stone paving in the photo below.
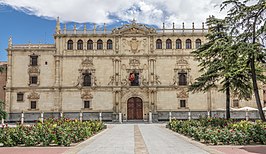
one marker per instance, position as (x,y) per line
(136,139)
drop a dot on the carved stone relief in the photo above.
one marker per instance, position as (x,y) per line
(33,96)
(86,67)
(182,94)
(86,95)
(33,70)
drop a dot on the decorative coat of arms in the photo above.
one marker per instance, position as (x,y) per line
(134,45)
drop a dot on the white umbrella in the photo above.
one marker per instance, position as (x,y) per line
(234,109)
(246,108)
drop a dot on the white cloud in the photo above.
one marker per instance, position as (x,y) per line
(153,12)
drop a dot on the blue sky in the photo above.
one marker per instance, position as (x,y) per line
(34,20)
(23,28)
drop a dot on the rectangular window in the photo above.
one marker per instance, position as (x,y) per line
(236,103)
(86,104)
(33,60)
(33,105)
(20,97)
(182,78)
(87,79)
(33,80)
(182,103)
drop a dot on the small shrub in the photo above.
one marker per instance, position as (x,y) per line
(220,131)
(50,132)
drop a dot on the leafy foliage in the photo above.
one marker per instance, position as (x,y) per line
(220,131)
(222,63)
(2,111)
(247,23)
(61,132)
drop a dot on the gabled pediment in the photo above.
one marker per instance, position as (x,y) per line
(134,28)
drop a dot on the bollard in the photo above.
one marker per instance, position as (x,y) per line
(247,117)
(170,116)
(22,118)
(189,115)
(120,118)
(100,116)
(41,117)
(208,114)
(80,116)
(150,117)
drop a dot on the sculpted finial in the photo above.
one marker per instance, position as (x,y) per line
(10,42)
(57,29)
(85,28)
(65,28)
(94,29)
(134,21)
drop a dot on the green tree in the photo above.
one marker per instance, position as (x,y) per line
(1,69)
(2,111)
(221,64)
(247,20)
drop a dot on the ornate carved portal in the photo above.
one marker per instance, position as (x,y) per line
(134,109)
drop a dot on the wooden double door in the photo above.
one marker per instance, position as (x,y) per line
(134,109)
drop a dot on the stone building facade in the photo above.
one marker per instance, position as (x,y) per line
(3,80)
(133,70)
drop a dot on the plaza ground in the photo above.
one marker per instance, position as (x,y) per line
(137,138)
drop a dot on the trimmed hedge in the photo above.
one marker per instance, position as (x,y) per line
(220,131)
(60,132)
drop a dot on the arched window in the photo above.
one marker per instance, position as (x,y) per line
(182,78)
(109,45)
(198,43)
(80,45)
(69,45)
(90,45)
(99,44)
(87,79)
(178,44)
(159,44)
(168,44)
(188,44)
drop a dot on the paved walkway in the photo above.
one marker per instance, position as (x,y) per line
(136,139)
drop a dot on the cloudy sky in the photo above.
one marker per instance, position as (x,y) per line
(33,20)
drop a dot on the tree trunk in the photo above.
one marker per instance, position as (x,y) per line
(227,93)
(255,88)
(253,73)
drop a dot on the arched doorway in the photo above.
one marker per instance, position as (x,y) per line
(134,109)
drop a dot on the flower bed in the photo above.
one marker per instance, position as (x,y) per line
(220,131)
(60,132)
